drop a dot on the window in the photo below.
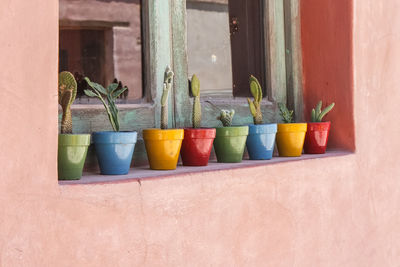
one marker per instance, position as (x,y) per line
(234,50)
(227,40)
(83,52)
(107,40)
(102,40)
(134,41)
(209,55)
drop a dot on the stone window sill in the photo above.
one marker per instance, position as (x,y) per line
(140,173)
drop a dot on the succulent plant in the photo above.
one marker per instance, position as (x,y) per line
(111,93)
(195,88)
(255,108)
(226,117)
(286,114)
(66,96)
(317,114)
(168,79)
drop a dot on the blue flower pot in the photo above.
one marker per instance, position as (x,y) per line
(261,140)
(114,151)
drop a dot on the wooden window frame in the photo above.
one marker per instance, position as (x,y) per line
(164,43)
(157,47)
(158,50)
(283,67)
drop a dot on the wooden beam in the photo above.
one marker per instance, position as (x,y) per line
(275,32)
(182,101)
(293,57)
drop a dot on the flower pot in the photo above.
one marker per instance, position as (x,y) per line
(196,146)
(163,147)
(72,150)
(230,142)
(290,139)
(317,137)
(261,140)
(114,151)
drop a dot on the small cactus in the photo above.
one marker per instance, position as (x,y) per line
(255,107)
(168,79)
(286,114)
(66,95)
(226,117)
(317,114)
(111,94)
(195,88)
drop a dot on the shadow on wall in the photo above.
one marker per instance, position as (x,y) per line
(326,29)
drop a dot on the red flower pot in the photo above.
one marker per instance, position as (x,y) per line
(196,146)
(316,137)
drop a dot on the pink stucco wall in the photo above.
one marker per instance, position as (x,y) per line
(340,211)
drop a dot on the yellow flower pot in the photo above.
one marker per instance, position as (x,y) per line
(290,139)
(163,147)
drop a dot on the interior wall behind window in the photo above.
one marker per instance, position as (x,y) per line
(209,47)
(101,39)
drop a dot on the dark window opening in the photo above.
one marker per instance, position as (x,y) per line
(247,42)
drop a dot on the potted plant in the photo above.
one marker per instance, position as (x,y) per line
(290,136)
(197,142)
(317,131)
(163,145)
(114,149)
(72,148)
(261,140)
(230,141)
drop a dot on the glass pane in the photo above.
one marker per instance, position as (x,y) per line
(209,48)
(101,39)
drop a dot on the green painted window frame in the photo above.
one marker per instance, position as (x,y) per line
(157,46)
(283,61)
(164,43)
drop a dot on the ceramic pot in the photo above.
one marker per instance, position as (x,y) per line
(196,146)
(163,147)
(114,151)
(290,139)
(317,137)
(261,140)
(72,151)
(230,142)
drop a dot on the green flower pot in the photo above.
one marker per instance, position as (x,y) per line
(72,150)
(230,142)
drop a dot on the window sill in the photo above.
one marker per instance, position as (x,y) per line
(138,173)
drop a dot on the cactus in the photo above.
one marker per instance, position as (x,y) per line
(168,79)
(111,93)
(66,95)
(195,88)
(226,117)
(317,114)
(286,114)
(254,105)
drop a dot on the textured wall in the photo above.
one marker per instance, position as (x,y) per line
(324,212)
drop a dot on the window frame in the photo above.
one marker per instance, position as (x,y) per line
(283,67)
(157,54)
(164,43)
